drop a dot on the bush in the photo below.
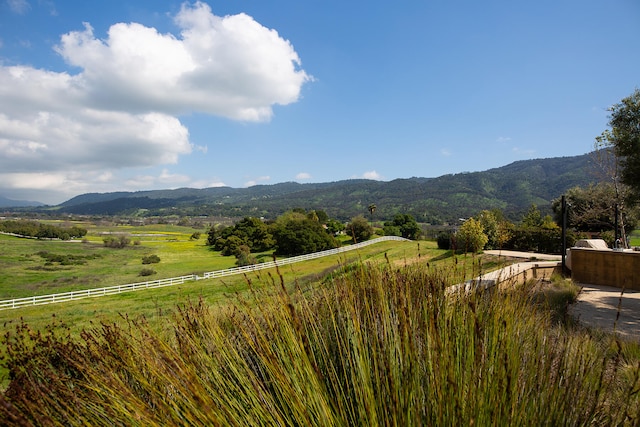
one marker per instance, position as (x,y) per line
(118,242)
(359,229)
(147,272)
(150,259)
(471,237)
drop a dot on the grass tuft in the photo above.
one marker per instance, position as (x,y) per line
(371,345)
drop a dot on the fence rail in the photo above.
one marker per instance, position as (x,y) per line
(111,290)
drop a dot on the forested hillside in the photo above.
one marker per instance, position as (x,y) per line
(512,188)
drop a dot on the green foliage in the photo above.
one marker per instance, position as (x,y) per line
(538,239)
(255,233)
(624,137)
(334,226)
(592,208)
(150,259)
(195,236)
(359,229)
(489,223)
(244,257)
(66,259)
(533,217)
(250,231)
(296,234)
(470,237)
(231,245)
(118,242)
(374,347)
(40,230)
(403,225)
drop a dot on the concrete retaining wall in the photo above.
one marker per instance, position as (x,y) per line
(514,274)
(606,267)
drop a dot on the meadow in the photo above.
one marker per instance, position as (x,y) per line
(23,272)
(367,337)
(373,344)
(35,267)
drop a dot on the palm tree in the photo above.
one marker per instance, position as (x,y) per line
(372,208)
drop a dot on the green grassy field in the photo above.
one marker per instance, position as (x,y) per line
(366,337)
(179,256)
(376,345)
(23,273)
(25,269)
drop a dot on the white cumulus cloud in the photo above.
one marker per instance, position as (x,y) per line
(372,175)
(303,175)
(229,66)
(119,104)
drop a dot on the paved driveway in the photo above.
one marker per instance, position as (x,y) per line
(609,308)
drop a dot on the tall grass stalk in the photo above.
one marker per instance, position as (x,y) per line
(376,345)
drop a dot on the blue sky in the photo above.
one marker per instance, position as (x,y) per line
(137,95)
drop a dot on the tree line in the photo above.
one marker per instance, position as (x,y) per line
(298,232)
(39,230)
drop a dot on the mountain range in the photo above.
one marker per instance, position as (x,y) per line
(10,203)
(512,188)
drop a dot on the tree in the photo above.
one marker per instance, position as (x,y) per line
(607,166)
(231,245)
(334,226)
(624,138)
(119,242)
(403,225)
(295,234)
(489,224)
(372,209)
(533,217)
(322,216)
(244,257)
(250,231)
(592,209)
(470,237)
(256,233)
(359,229)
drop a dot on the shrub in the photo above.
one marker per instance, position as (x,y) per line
(359,229)
(471,237)
(244,257)
(117,242)
(150,259)
(147,272)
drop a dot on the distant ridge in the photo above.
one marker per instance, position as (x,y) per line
(511,188)
(9,203)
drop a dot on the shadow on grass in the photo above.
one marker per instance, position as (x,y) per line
(446,255)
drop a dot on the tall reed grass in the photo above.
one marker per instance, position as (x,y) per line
(373,346)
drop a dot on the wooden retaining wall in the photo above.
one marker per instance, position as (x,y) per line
(620,269)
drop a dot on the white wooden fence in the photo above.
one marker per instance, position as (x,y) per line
(76,295)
